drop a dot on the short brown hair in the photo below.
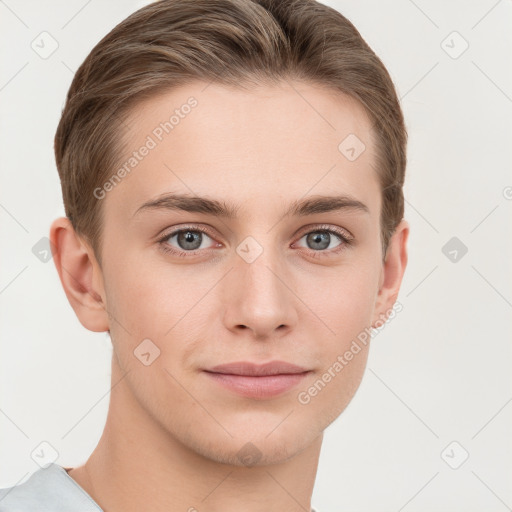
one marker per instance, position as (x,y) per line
(171,42)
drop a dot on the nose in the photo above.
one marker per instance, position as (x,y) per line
(259,297)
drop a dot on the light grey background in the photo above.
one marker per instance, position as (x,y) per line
(438,373)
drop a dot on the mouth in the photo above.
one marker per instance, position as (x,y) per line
(257,381)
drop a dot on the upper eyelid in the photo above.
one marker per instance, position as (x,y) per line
(326,227)
(174,231)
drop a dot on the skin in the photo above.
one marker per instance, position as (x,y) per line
(173,436)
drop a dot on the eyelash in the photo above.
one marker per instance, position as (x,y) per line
(345,239)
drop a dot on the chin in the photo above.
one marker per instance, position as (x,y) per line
(252,447)
(251,453)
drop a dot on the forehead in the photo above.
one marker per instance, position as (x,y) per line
(277,142)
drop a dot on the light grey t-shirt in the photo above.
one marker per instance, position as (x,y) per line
(49,489)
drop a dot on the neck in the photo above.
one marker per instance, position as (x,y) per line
(137,465)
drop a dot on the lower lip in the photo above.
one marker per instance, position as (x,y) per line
(266,386)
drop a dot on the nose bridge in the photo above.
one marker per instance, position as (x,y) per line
(262,277)
(258,296)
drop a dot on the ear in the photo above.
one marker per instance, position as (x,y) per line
(80,275)
(392,273)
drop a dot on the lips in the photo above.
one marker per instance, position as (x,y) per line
(259,381)
(257,370)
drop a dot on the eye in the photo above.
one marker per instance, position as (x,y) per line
(193,240)
(185,241)
(326,240)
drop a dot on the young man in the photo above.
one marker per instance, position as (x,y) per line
(232,175)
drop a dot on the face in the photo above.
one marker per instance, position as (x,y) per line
(279,261)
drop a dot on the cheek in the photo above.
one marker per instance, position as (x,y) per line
(137,300)
(345,303)
(328,393)
(343,298)
(153,300)
(341,347)
(136,284)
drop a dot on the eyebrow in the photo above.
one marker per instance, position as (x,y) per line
(300,208)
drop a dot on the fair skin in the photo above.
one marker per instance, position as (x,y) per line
(174,435)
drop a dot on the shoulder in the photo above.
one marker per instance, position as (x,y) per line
(47,490)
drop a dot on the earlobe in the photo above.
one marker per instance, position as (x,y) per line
(80,275)
(392,273)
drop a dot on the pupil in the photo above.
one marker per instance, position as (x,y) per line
(189,237)
(320,238)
